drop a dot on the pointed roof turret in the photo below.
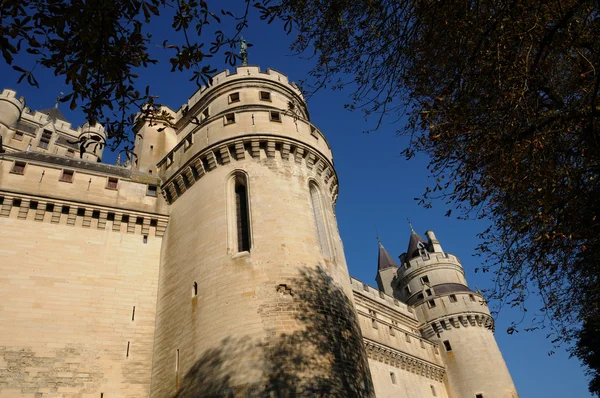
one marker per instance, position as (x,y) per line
(384,259)
(415,242)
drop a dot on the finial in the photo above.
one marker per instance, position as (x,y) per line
(119,159)
(410,225)
(244,51)
(58,99)
(377,234)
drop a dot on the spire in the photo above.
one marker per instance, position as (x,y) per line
(414,244)
(384,259)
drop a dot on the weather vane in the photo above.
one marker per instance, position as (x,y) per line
(244,51)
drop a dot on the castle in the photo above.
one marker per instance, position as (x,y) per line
(212,265)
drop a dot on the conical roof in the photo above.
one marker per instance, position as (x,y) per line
(384,259)
(413,244)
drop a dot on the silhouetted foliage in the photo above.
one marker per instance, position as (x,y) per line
(325,357)
(503,97)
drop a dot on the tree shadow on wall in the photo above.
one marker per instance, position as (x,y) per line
(325,357)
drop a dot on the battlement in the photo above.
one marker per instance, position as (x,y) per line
(381,297)
(241,72)
(417,264)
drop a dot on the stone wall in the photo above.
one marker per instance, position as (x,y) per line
(67,298)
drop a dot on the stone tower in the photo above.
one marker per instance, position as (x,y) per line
(254,289)
(452,315)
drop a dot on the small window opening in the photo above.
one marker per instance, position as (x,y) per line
(49,207)
(428,292)
(234,97)
(96,214)
(393,377)
(431,303)
(152,190)
(33,205)
(230,118)
(67,176)
(424,279)
(110,217)
(392,332)
(127,355)
(452,298)
(177,360)
(195,289)
(478,395)
(407,337)
(101,395)
(153,222)
(70,153)
(275,116)
(112,183)
(80,212)
(151,148)
(18,136)
(18,168)
(125,219)
(443,323)
(472,297)
(145,239)
(45,139)
(65,210)
(265,96)
(447,346)
(133,313)
(433,390)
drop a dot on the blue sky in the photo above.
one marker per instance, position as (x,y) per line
(377,191)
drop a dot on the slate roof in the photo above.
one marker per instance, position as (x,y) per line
(384,260)
(72,163)
(54,113)
(413,245)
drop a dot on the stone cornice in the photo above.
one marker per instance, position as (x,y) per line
(237,148)
(46,209)
(468,319)
(404,361)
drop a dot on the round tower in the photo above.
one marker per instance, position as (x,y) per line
(454,316)
(10,111)
(254,292)
(93,139)
(152,141)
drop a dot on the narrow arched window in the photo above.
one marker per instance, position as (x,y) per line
(315,198)
(239,227)
(242,217)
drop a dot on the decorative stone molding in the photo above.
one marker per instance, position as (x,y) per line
(404,361)
(439,325)
(236,149)
(55,212)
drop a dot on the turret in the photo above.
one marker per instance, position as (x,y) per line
(93,139)
(153,140)
(10,113)
(454,316)
(10,108)
(386,270)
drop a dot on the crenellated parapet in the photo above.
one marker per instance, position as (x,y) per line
(404,361)
(250,76)
(11,108)
(84,215)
